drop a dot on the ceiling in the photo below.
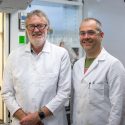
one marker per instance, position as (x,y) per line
(10,6)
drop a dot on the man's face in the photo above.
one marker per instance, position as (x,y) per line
(37,28)
(90,37)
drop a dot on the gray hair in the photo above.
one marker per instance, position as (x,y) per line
(98,23)
(38,13)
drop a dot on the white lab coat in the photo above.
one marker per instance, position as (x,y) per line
(31,82)
(98,94)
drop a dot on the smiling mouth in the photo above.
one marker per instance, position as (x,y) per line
(36,34)
(87,42)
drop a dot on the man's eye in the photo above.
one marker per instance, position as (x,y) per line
(82,33)
(91,32)
(31,26)
(39,26)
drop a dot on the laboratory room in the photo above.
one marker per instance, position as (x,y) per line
(43,43)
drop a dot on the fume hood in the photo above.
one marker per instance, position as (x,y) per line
(10,6)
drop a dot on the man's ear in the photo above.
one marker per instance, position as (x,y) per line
(50,30)
(102,34)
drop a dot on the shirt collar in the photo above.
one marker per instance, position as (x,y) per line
(46,47)
(101,56)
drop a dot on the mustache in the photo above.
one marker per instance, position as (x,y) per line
(36,33)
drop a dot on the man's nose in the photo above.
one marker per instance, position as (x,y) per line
(86,35)
(36,29)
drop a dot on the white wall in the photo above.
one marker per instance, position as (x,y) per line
(112,15)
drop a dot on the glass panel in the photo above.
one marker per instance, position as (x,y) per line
(64,22)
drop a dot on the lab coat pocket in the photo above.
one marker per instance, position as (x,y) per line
(97,92)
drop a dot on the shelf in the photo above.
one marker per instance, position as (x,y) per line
(57,2)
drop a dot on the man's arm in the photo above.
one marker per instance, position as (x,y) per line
(64,85)
(8,92)
(46,111)
(19,114)
(116,80)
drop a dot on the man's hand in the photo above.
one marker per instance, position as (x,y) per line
(31,119)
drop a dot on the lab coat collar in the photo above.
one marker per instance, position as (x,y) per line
(46,47)
(100,57)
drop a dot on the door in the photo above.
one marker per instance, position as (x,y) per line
(1,66)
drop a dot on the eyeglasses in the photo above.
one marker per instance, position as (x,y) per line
(89,32)
(38,26)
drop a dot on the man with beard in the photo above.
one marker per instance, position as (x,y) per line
(37,76)
(98,81)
